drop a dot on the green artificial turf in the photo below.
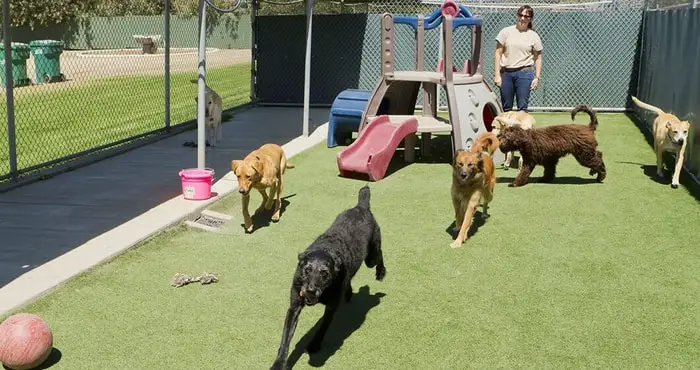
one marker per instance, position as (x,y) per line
(562,275)
(51,124)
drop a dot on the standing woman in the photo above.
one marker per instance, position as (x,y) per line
(518,60)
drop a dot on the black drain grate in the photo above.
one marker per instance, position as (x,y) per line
(209,221)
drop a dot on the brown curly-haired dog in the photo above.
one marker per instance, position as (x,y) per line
(544,146)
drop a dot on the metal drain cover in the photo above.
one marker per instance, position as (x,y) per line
(209,220)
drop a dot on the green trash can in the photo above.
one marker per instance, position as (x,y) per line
(20,54)
(47,63)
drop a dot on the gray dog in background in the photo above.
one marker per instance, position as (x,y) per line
(326,268)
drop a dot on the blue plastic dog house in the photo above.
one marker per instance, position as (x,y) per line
(346,114)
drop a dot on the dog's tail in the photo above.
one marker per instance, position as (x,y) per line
(646,106)
(585,108)
(363,197)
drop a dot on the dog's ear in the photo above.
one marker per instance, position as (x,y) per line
(300,257)
(668,124)
(235,164)
(480,159)
(258,165)
(454,159)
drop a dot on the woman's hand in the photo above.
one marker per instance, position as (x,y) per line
(497,81)
(535,82)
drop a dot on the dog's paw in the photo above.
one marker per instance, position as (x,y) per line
(455,245)
(314,346)
(381,273)
(249,229)
(674,186)
(275,217)
(512,185)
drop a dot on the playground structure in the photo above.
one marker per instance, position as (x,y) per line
(471,103)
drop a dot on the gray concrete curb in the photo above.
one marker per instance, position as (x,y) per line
(47,277)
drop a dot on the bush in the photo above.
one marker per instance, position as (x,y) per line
(112,8)
(41,12)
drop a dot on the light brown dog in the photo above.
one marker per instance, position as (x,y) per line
(512,118)
(213,110)
(473,180)
(261,169)
(670,135)
(486,142)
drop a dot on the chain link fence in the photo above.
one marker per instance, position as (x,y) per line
(99,83)
(589,56)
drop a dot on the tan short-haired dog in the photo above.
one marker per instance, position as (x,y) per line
(261,169)
(486,142)
(473,180)
(670,135)
(213,110)
(512,118)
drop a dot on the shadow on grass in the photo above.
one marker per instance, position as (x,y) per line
(349,317)
(53,359)
(650,172)
(440,152)
(262,218)
(564,180)
(477,223)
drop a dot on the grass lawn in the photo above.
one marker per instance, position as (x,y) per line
(57,122)
(569,274)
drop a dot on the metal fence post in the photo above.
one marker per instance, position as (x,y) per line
(253,49)
(9,89)
(201,140)
(166,41)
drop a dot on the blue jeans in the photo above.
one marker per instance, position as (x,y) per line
(518,83)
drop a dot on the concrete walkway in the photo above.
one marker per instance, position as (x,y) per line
(52,230)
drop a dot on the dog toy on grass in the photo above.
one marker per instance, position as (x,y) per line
(182,279)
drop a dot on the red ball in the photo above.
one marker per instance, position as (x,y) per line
(450,7)
(26,341)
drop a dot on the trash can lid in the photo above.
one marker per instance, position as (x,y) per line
(46,43)
(16,46)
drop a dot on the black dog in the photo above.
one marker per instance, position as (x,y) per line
(326,268)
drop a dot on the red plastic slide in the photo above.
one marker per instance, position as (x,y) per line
(374,147)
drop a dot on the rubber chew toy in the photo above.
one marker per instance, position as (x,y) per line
(181,279)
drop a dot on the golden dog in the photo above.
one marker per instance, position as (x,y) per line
(486,142)
(261,169)
(213,110)
(512,118)
(670,135)
(473,180)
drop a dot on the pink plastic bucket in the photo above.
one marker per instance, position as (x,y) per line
(196,183)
